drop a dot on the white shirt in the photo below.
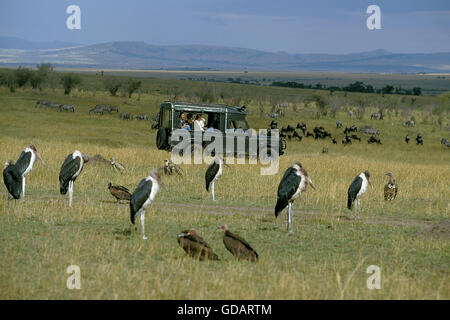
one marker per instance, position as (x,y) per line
(199,125)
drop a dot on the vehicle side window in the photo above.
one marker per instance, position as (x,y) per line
(165,118)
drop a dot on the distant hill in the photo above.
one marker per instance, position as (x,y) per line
(17,43)
(140,55)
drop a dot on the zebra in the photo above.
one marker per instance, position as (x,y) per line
(141,117)
(409,123)
(125,116)
(338,124)
(42,102)
(67,107)
(376,116)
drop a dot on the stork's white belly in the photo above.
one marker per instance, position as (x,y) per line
(363,188)
(300,189)
(153,193)
(32,160)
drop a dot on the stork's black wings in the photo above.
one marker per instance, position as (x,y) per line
(353,191)
(23,162)
(67,172)
(211,173)
(140,195)
(287,188)
(13,181)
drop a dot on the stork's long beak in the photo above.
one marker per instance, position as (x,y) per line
(39,157)
(311,183)
(86,157)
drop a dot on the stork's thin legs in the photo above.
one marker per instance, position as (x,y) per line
(290,229)
(143,224)
(359,208)
(23,188)
(212,189)
(70,193)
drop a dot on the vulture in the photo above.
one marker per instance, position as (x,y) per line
(171,168)
(119,192)
(391,188)
(238,247)
(116,165)
(195,246)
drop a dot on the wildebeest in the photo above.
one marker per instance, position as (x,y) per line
(407,138)
(302,126)
(346,140)
(353,128)
(372,139)
(67,107)
(445,142)
(297,135)
(419,139)
(355,137)
(338,124)
(320,132)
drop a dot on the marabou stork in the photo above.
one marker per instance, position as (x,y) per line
(293,183)
(357,189)
(13,181)
(142,197)
(195,246)
(25,164)
(70,170)
(237,245)
(391,188)
(213,173)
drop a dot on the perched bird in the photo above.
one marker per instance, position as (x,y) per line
(142,197)
(391,188)
(357,189)
(171,168)
(70,170)
(238,247)
(25,164)
(116,165)
(294,182)
(195,246)
(119,192)
(213,173)
(13,181)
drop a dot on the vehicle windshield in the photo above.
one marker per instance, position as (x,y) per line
(238,124)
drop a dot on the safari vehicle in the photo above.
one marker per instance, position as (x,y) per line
(220,117)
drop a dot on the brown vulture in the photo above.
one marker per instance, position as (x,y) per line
(391,188)
(195,246)
(119,192)
(238,247)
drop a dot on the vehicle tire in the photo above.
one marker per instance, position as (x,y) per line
(161,139)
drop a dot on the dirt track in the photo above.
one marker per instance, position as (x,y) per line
(441,228)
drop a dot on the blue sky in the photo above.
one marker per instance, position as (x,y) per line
(319,26)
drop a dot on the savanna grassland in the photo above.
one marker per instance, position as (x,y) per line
(326,257)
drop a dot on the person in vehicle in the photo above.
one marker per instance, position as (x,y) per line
(199,123)
(183,123)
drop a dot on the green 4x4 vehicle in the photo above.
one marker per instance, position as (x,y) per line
(224,118)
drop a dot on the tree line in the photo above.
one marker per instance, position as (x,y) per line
(357,86)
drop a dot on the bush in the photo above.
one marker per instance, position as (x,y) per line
(69,81)
(23,76)
(112,85)
(131,86)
